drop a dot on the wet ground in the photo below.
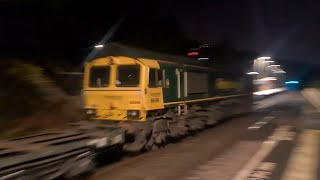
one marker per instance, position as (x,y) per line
(279,140)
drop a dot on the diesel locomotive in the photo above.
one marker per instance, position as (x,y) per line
(156,97)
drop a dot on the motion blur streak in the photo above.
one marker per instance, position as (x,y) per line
(269,91)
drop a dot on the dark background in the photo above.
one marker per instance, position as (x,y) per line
(65,31)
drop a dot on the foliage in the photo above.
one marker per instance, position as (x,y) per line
(30,101)
(19,96)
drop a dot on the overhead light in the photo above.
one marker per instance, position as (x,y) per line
(204,58)
(264,58)
(275,65)
(292,82)
(99,46)
(269,91)
(251,73)
(268,61)
(280,72)
(268,79)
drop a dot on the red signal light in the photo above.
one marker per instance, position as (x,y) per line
(193,54)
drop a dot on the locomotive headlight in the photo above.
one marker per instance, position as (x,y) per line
(132,113)
(91,112)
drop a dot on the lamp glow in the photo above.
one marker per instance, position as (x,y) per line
(99,46)
(203,58)
(264,58)
(268,61)
(252,73)
(268,79)
(292,82)
(279,72)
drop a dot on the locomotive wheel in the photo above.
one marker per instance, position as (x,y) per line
(159,135)
(141,132)
(138,144)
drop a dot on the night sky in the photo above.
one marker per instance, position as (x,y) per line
(281,28)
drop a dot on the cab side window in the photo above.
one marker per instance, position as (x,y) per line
(155,78)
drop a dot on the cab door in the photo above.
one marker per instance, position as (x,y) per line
(154,95)
(182,90)
(182,77)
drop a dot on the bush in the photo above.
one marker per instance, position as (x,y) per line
(19,95)
(31,101)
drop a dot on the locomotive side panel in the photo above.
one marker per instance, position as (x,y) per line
(169,88)
(198,84)
(227,84)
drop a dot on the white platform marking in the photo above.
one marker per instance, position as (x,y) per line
(281,133)
(303,161)
(260,123)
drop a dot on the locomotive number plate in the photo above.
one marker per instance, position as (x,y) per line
(155,100)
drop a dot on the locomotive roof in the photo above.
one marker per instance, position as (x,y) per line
(117,49)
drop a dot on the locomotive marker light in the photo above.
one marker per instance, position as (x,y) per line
(91,112)
(133,113)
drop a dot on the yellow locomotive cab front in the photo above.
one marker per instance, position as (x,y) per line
(115,89)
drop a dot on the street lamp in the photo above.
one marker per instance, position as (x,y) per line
(268,79)
(203,58)
(275,65)
(267,57)
(292,82)
(252,73)
(99,46)
(268,61)
(280,72)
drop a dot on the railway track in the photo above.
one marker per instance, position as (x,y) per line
(57,154)
(72,152)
